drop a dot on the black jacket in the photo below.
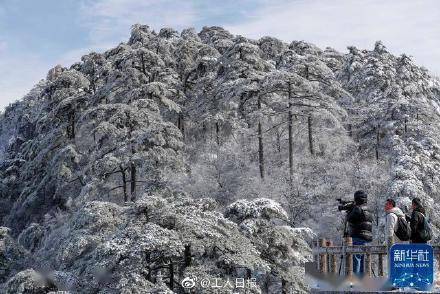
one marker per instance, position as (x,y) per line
(416,224)
(360,222)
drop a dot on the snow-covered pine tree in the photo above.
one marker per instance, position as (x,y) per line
(196,154)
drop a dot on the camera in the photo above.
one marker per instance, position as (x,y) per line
(345,205)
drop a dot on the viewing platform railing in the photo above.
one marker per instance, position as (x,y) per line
(329,257)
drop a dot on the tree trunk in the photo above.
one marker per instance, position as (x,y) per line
(171,269)
(181,125)
(148,261)
(187,258)
(72,125)
(133,182)
(132,165)
(377,142)
(241,106)
(144,70)
(124,184)
(204,132)
(284,287)
(309,125)
(307,72)
(217,133)
(290,123)
(406,125)
(278,135)
(377,214)
(260,144)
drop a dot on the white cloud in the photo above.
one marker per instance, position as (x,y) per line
(405,26)
(109,21)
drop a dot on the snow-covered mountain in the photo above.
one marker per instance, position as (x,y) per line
(200,155)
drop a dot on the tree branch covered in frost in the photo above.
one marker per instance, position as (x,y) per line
(258,208)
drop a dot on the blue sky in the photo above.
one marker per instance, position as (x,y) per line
(36,35)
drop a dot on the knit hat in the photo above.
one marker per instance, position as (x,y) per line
(360,197)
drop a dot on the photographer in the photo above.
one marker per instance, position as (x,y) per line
(359,219)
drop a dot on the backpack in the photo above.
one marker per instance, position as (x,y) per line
(403,231)
(425,231)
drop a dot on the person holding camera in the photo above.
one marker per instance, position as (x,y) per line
(360,220)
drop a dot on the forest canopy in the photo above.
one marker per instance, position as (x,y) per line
(179,154)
